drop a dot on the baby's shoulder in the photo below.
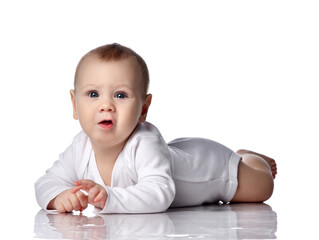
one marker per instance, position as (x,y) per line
(145,143)
(146,135)
(145,130)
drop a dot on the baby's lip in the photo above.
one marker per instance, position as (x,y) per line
(106,124)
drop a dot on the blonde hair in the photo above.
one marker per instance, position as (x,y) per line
(117,52)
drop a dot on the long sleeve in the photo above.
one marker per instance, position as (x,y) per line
(141,183)
(62,174)
(154,190)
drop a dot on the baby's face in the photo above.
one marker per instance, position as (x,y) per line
(108,100)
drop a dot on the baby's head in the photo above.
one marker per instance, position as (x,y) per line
(110,93)
(116,52)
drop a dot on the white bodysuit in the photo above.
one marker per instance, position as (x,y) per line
(148,175)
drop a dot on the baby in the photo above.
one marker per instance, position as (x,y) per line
(121,164)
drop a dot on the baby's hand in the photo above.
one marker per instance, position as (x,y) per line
(67,201)
(97,194)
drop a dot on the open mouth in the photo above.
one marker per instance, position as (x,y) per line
(106,124)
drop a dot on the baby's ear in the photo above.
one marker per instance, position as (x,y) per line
(75,113)
(146,105)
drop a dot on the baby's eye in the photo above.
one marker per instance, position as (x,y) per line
(120,95)
(93,94)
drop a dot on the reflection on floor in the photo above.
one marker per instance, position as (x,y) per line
(233,221)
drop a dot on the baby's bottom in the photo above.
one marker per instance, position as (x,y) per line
(256,174)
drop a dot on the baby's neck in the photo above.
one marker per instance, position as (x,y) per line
(106,155)
(105,159)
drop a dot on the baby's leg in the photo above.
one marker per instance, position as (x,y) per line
(271,162)
(255,177)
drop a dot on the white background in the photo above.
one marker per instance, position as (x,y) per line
(243,73)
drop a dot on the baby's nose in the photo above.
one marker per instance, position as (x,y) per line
(107,107)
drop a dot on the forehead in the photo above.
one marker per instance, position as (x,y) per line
(94,70)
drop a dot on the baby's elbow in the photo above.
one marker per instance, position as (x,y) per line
(172,193)
(166,199)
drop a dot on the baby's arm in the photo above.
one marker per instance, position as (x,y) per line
(149,168)
(61,176)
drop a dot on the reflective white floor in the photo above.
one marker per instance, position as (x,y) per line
(235,221)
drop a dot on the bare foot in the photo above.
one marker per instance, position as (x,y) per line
(271,162)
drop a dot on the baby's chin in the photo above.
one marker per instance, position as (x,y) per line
(107,140)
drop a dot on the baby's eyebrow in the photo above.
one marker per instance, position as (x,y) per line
(125,86)
(90,85)
(98,86)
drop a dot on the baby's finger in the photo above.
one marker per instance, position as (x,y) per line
(86,182)
(67,206)
(82,188)
(93,194)
(75,202)
(76,189)
(83,200)
(60,208)
(101,196)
